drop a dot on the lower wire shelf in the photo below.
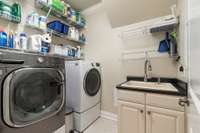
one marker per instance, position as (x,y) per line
(64,36)
(4,49)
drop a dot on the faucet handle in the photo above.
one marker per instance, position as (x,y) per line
(150,68)
(159,80)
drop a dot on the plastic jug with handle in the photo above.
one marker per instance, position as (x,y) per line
(3,38)
(35,43)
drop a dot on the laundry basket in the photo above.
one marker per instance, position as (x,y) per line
(69,127)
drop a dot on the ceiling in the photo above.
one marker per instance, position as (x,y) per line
(82,4)
(126,12)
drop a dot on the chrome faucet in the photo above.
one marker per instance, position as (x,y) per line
(159,80)
(147,68)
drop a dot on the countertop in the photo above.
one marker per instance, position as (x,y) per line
(181,86)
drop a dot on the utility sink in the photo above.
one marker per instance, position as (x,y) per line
(150,86)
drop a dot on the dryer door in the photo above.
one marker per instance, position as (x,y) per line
(31,95)
(92,82)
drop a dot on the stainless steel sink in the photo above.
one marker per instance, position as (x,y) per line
(150,85)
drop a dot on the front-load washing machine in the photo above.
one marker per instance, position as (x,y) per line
(32,93)
(83,94)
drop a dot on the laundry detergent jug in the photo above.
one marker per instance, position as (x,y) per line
(3,39)
(35,43)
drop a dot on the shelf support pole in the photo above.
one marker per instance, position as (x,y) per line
(49,12)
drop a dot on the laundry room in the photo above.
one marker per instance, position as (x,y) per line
(99,66)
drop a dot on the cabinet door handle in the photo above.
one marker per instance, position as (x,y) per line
(183,102)
(149,112)
(141,111)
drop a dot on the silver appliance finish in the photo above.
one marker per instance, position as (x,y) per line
(10,62)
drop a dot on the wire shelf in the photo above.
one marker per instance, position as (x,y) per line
(64,36)
(5,49)
(58,14)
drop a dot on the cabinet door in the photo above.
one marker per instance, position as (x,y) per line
(131,118)
(159,120)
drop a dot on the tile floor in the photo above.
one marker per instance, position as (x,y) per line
(102,125)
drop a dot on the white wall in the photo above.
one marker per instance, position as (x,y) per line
(105,46)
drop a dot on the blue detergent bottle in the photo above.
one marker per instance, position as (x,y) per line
(3,39)
(11,40)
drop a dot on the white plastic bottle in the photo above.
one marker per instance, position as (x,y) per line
(16,41)
(78,52)
(23,41)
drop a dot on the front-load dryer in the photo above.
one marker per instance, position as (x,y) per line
(83,94)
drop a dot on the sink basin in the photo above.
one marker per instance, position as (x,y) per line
(150,86)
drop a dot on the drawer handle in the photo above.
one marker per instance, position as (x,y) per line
(142,111)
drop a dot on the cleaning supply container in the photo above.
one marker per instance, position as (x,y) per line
(16,41)
(69,127)
(23,41)
(11,40)
(43,22)
(65,29)
(5,9)
(35,43)
(55,25)
(11,13)
(16,12)
(59,27)
(56,49)
(46,40)
(164,44)
(58,5)
(173,44)
(3,39)
(163,47)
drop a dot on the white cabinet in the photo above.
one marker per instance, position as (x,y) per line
(131,118)
(157,114)
(160,120)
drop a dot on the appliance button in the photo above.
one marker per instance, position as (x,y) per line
(40,59)
(98,64)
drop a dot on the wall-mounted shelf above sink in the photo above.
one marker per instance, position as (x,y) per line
(138,54)
(169,23)
(164,28)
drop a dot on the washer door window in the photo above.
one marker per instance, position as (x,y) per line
(92,82)
(31,95)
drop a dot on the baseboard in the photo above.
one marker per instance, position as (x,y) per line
(109,115)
